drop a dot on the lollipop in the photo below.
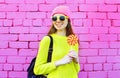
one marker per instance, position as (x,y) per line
(72,40)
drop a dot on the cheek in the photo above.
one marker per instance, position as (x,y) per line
(65,23)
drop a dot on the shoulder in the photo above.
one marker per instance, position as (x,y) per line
(45,39)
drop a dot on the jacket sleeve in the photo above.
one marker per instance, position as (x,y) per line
(41,65)
(77,65)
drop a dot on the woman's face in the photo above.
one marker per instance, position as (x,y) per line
(60,21)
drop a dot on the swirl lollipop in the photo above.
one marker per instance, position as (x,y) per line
(72,40)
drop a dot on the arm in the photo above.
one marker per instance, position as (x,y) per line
(74,55)
(41,65)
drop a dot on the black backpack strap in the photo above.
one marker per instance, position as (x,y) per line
(50,49)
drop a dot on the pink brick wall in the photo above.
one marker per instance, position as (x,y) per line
(24,22)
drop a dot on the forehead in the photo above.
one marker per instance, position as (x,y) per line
(59,15)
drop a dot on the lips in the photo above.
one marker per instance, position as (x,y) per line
(58,24)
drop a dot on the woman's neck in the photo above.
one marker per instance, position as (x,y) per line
(61,32)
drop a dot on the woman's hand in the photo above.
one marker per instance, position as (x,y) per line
(65,60)
(74,55)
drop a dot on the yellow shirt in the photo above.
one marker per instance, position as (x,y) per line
(60,49)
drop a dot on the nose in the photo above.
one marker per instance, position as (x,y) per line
(58,21)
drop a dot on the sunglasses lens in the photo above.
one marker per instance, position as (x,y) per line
(62,18)
(54,18)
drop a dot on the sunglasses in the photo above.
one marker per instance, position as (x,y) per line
(61,18)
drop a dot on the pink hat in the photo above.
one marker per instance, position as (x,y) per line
(62,10)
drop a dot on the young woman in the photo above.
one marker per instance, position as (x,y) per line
(64,63)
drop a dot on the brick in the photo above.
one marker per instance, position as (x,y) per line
(116,66)
(29,59)
(114,30)
(114,74)
(108,52)
(114,44)
(47,22)
(16,59)
(96,59)
(28,37)
(8,52)
(13,74)
(88,52)
(95,2)
(119,51)
(25,66)
(27,22)
(8,37)
(106,23)
(33,44)
(2,15)
(7,23)
(75,1)
(87,7)
(27,52)
(84,45)
(55,1)
(107,8)
(1,67)
(16,15)
(97,23)
(113,59)
(44,7)
(1,23)
(88,67)
(116,23)
(14,1)
(8,67)
(35,1)
(39,29)
(48,15)
(81,30)
(97,15)
(99,74)
(19,30)
(107,67)
(37,22)
(78,15)
(8,7)
(119,8)
(18,44)
(99,45)
(73,7)
(36,15)
(41,36)
(4,44)
(17,22)
(97,30)
(81,67)
(3,74)
(2,1)
(87,22)
(28,7)
(82,74)
(17,67)
(2,59)
(119,37)
(113,15)
(77,22)
(83,60)
(98,67)
(112,2)
(105,37)
(4,30)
